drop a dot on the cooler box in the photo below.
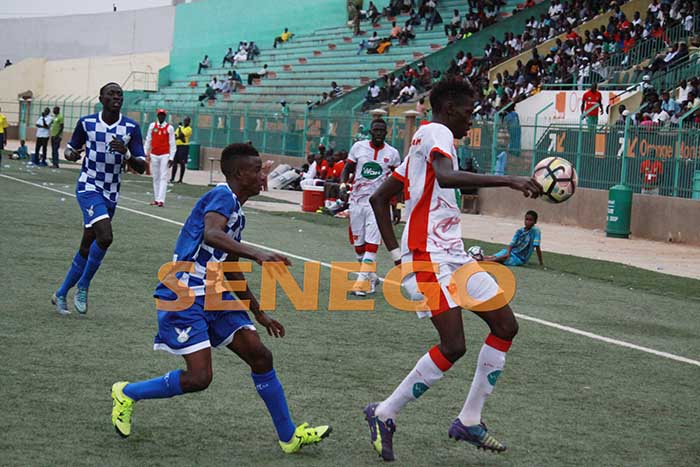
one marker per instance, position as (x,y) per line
(312,198)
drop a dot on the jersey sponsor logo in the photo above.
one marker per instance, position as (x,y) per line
(371,170)
(183,335)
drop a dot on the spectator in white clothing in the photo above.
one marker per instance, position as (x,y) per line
(43,125)
(160,150)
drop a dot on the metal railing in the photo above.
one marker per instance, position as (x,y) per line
(141,81)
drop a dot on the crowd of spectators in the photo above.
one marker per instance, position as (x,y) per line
(664,107)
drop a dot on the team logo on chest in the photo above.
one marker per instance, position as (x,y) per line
(371,170)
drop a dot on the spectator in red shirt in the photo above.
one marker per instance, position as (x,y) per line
(651,170)
(588,101)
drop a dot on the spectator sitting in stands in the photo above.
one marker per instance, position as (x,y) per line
(395,30)
(407,93)
(241,56)
(228,58)
(453,26)
(253,51)
(259,75)
(214,84)
(425,77)
(284,37)
(373,95)
(432,17)
(406,34)
(204,64)
(336,91)
(233,75)
(382,47)
(373,41)
(372,13)
(669,104)
(209,94)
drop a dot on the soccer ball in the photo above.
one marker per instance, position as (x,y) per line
(557,177)
(14,156)
(476,252)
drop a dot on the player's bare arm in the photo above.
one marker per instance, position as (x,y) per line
(215,236)
(447,177)
(274,328)
(347,171)
(381,205)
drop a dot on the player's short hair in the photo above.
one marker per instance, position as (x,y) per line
(452,88)
(532,213)
(377,120)
(235,152)
(103,88)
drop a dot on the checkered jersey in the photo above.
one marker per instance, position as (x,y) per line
(101,171)
(190,244)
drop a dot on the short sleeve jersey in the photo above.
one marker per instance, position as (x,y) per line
(190,244)
(101,171)
(524,242)
(433,216)
(373,167)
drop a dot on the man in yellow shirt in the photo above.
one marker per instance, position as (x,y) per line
(3,126)
(182,151)
(284,37)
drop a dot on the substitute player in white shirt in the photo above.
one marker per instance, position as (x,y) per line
(428,177)
(371,161)
(160,147)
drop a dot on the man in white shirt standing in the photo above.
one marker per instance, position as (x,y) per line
(160,149)
(43,125)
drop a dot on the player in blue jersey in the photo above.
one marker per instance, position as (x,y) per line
(212,234)
(525,241)
(110,140)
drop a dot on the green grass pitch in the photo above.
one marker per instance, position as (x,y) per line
(563,399)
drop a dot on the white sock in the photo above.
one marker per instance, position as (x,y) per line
(420,379)
(489,366)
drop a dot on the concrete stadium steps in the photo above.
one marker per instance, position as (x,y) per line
(304,67)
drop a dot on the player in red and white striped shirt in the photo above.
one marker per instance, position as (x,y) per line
(428,177)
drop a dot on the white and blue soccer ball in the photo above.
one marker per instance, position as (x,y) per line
(476,252)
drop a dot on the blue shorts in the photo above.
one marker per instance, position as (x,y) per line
(185,332)
(95,207)
(513,260)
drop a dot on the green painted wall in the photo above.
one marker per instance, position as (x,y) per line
(211,26)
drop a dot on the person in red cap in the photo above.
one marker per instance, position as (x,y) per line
(160,148)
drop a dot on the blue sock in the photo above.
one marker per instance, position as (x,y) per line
(271,391)
(93,264)
(74,274)
(161,387)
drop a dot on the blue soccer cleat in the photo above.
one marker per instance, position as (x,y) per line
(81,300)
(381,433)
(61,304)
(475,434)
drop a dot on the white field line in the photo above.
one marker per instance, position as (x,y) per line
(543,322)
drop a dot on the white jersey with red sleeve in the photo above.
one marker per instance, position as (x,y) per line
(433,216)
(373,167)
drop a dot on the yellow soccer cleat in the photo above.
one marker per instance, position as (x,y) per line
(122,406)
(304,435)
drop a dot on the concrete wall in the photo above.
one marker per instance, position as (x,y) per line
(653,217)
(104,34)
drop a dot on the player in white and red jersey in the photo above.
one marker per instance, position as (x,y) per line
(428,177)
(371,161)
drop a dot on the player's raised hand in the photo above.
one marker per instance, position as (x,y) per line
(263,257)
(274,328)
(528,186)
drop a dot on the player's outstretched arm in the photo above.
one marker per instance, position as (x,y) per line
(381,205)
(215,236)
(447,177)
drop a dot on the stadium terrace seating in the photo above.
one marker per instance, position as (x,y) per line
(305,66)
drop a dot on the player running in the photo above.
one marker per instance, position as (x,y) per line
(428,176)
(111,140)
(371,162)
(212,234)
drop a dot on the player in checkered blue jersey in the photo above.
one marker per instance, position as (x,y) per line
(109,140)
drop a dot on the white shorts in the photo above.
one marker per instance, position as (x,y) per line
(480,286)
(363,225)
